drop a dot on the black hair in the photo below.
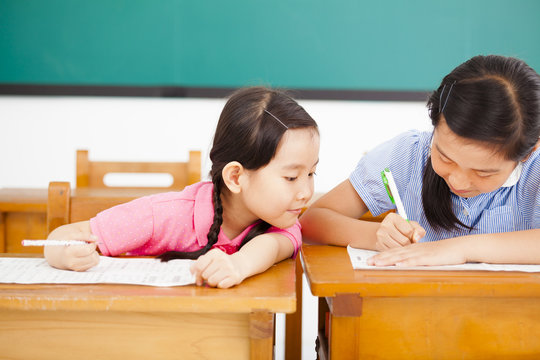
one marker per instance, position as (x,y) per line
(494,100)
(248,133)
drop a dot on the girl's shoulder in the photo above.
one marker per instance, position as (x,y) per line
(530,172)
(414,138)
(410,147)
(202,189)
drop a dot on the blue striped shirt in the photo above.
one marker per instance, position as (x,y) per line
(506,209)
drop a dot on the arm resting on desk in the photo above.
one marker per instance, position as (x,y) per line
(518,247)
(333,219)
(222,270)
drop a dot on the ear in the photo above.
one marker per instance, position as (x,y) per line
(232,172)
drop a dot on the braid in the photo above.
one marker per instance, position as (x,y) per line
(258,229)
(212,233)
(218,217)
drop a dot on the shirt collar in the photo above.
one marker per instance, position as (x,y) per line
(514,176)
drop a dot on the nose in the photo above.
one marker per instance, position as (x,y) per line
(459,181)
(306,191)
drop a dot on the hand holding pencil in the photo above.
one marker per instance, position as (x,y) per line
(396,230)
(72,247)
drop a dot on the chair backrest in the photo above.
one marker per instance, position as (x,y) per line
(92,173)
(65,206)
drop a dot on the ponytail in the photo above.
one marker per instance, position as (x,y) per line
(437,201)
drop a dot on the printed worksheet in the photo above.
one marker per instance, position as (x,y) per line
(359,261)
(137,271)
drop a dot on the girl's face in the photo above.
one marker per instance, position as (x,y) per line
(277,192)
(469,168)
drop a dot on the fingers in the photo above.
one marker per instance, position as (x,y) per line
(397,256)
(88,237)
(216,269)
(84,263)
(81,250)
(81,257)
(395,231)
(418,231)
(442,252)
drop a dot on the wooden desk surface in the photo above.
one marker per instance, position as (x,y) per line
(35,199)
(23,200)
(273,290)
(329,271)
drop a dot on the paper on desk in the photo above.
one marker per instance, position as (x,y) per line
(359,261)
(136,271)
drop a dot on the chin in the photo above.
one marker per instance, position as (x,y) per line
(283,224)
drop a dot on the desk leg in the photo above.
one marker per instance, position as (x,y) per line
(345,312)
(261,335)
(293,322)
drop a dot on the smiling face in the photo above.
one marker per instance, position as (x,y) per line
(469,168)
(277,192)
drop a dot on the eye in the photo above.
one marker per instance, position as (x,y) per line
(444,159)
(312,174)
(485,175)
(290,178)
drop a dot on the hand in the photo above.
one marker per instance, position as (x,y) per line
(395,231)
(442,252)
(217,269)
(72,257)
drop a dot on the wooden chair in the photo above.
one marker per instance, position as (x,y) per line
(64,208)
(91,173)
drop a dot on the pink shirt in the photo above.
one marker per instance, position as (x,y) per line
(178,221)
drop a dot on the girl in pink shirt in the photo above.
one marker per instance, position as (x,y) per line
(264,155)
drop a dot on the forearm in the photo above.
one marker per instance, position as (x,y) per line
(262,252)
(326,226)
(519,247)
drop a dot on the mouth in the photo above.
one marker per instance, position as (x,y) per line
(459,192)
(295,211)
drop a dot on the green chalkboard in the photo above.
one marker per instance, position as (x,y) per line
(311,44)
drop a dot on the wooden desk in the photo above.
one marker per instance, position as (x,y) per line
(142,322)
(23,213)
(392,314)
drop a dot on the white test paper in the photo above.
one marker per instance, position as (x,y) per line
(359,261)
(136,271)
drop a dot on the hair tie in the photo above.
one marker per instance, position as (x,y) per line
(272,115)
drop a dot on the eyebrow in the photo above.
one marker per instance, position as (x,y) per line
(297,166)
(480,170)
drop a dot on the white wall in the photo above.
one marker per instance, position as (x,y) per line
(39,137)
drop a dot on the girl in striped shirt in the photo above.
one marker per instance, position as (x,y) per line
(470,187)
